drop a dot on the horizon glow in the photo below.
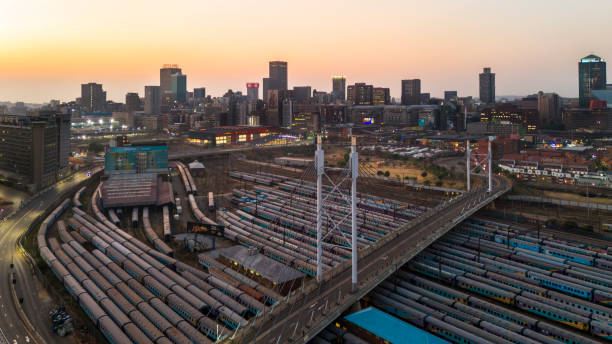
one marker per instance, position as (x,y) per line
(49,48)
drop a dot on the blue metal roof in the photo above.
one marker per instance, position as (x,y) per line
(391,328)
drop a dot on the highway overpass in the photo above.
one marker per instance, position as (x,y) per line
(310,309)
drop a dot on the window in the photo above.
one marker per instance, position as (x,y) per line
(242,138)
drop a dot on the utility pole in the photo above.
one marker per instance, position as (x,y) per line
(354,174)
(490,166)
(467,163)
(320,165)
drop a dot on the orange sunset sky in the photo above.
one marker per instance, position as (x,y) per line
(49,47)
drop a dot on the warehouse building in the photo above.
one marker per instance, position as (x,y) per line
(260,268)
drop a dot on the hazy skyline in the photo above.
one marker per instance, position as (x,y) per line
(50,47)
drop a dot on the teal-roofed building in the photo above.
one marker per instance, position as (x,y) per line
(380,327)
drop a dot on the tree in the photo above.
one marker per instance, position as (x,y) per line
(95,147)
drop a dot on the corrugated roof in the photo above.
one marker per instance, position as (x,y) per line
(259,263)
(391,328)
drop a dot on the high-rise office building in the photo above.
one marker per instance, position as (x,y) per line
(487,86)
(165,81)
(178,86)
(252,91)
(339,87)
(132,102)
(278,71)
(302,93)
(152,100)
(450,96)
(411,92)
(549,108)
(34,149)
(93,97)
(360,94)
(591,76)
(381,96)
(199,93)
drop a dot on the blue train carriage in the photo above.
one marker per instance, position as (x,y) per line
(601,330)
(575,257)
(564,286)
(556,314)
(486,290)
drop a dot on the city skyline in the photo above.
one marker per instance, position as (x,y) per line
(446,51)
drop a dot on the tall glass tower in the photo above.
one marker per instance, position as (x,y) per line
(591,76)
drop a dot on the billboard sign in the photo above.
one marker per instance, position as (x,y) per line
(136,158)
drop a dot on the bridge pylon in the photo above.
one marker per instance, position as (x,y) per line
(324,203)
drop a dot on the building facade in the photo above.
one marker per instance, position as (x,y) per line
(178,86)
(360,94)
(411,92)
(549,108)
(339,88)
(381,96)
(132,102)
(152,100)
(93,97)
(252,91)
(487,86)
(165,78)
(302,93)
(34,149)
(278,71)
(591,76)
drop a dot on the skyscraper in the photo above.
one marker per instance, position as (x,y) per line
(339,87)
(178,86)
(252,91)
(411,92)
(549,108)
(591,76)
(487,86)
(278,71)
(93,97)
(132,102)
(152,100)
(165,78)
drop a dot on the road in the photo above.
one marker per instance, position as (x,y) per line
(312,312)
(36,302)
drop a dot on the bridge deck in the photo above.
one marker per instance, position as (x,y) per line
(305,313)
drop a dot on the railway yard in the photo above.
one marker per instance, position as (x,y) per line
(491,282)
(121,266)
(484,282)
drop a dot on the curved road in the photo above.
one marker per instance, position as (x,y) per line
(36,302)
